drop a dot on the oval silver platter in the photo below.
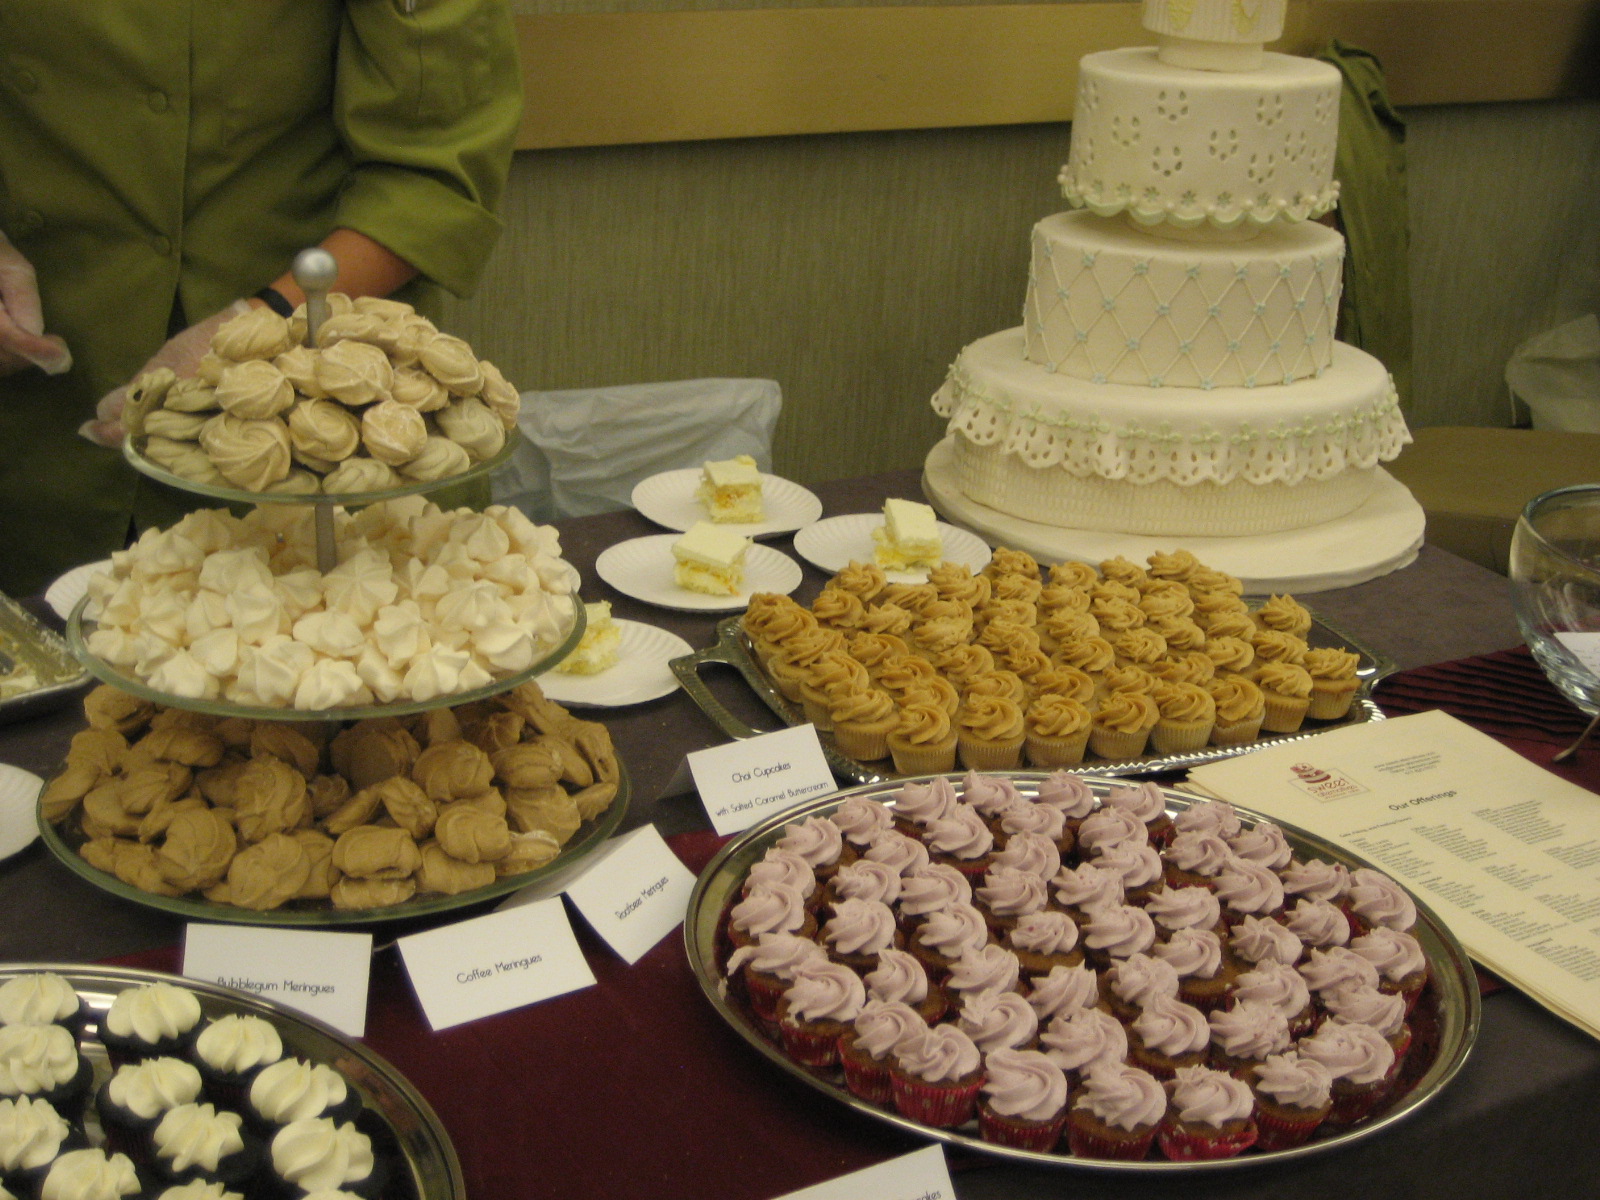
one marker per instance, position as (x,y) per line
(426,1168)
(1445,1025)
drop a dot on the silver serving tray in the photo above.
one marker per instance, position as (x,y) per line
(37,670)
(426,1168)
(733,649)
(1445,1022)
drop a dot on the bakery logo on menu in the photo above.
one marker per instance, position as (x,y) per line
(1322,783)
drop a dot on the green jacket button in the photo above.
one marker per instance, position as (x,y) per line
(162,244)
(27,82)
(158,102)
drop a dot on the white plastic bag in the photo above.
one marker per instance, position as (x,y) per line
(1557,375)
(587,447)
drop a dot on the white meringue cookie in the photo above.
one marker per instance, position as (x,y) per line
(435,673)
(257,613)
(332,634)
(217,652)
(360,586)
(375,671)
(207,611)
(505,646)
(228,571)
(399,633)
(331,683)
(115,646)
(272,670)
(184,675)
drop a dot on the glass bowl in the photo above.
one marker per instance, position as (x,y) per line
(1555,588)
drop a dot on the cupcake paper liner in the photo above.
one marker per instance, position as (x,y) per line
(942,1105)
(1190,1145)
(1018,1132)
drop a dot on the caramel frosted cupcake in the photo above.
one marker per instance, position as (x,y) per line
(1090,655)
(1006,561)
(1273,645)
(934,638)
(1073,573)
(862,718)
(875,651)
(1229,655)
(1237,623)
(955,581)
(940,693)
(904,672)
(1124,677)
(838,609)
(1116,614)
(1177,564)
(770,619)
(990,733)
(1187,716)
(923,741)
(960,664)
(1122,725)
(1062,626)
(1056,731)
(1333,681)
(1181,634)
(1139,647)
(885,618)
(864,580)
(1285,694)
(1058,680)
(834,669)
(1284,614)
(1240,709)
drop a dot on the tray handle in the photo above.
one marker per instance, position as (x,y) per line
(687,669)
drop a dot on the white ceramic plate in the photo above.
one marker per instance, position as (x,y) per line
(642,568)
(640,673)
(19,809)
(668,499)
(63,595)
(835,543)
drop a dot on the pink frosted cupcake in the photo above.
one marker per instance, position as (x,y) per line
(961,840)
(861,819)
(1257,940)
(1147,802)
(820,1004)
(929,889)
(1139,867)
(936,1077)
(864,879)
(1130,984)
(769,908)
(1116,1114)
(1044,941)
(1115,931)
(1037,820)
(1024,1100)
(1032,852)
(1361,1062)
(1064,991)
(766,968)
(1168,1034)
(1248,889)
(857,931)
(1174,909)
(1108,828)
(1402,967)
(945,935)
(867,1047)
(1008,894)
(1204,974)
(1070,795)
(1374,901)
(1294,1095)
(1319,924)
(787,868)
(1207,816)
(1263,843)
(1194,858)
(917,804)
(1079,1040)
(818,841)
(1081,890)
(1383,1011)
(1315,879)
(1282,987)
(1245,1034)
(900,978)
(1209,1116)
(894,849)
(990,968)
(1327,971)
(999,1019)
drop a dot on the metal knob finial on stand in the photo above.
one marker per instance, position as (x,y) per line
(315,270)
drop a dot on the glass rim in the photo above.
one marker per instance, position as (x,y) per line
(1525,523)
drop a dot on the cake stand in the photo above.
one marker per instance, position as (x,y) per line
(1381,535)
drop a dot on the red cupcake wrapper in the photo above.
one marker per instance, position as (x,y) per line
(1086,1144)
(1041,1136)
(867,1078)
(809,1047)
(1352,1103)
(1181,1145)
(1284,1133)
(763,992)
(942,1105)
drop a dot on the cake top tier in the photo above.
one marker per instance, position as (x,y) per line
(1214,35)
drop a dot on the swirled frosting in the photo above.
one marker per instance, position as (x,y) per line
(1395,954)
(1356,1053)
(961,834)
(153,1086)
(1139,978)
(1138,866)
(1263,843)
(1379,900)
(1168,1026)
(998,1019)
(1316,879)
(884,1025)
(1175,908)
(1111,827)
(1248,888)
(1024,1084)
(867,879)
(292,1090)
(90,1175)
(36,1058)
(1261,939)
(1067,792)
(1294,1081)
(815,839)
(1250,1030)
(988,968)
(1193,953)
(1318,923)
(898,977)
(942,1054)
(1063,991)
(197,1135)
(954,929)
(31,1134)
(1083,1037)
(1024,817)
(921,803)
(779,954)
(319,1153)
(769,908)
(1337,967)
(824,991)
(1383,1011)
(906,855)
(783,867)
(1045,933)
(1119,930)
(1202,1096)
(859,927)
(1277,984)
(239,1043)
(1121,1096)
(933,887)
(37,998)
(861,819)
(1036,853)
(1087,887)
(1012,893)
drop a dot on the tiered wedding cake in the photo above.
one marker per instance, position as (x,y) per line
(1176,381)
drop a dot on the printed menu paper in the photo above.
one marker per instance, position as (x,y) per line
(322,974)
(742,782)
(634,892)
(1506,853)
(494,963)
(920,1175)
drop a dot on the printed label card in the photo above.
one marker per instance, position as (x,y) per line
(322,974)
(746,781)
(920,1175)
(635,892)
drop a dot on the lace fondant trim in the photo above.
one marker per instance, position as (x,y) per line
(1256,451)
(1188,209)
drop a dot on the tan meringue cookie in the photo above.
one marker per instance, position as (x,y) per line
(451,361)
(449,876)
(360,474)
(470,424)
(382,306)
(191,395)
(354,373)
(338,303)
(411,334)
(299,367)
(170,423)
(210,368)
(184,459)
(295,483)
(393,432)
(419,390)
(254,390)
(324,430)
(439,458)
(354,327)
(258,333)
(376,852)
(359,894)
(317,466)
(502,398)
(250,454)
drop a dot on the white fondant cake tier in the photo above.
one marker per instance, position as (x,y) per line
(1038,429)
(1109,303)
(1233,21)
(1381,535)
(1177,144)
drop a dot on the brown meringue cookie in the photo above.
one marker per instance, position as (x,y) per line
(360,474)
(258,333)
(472,834)
(357,809)
(254,390)
(528,852)
(496,732)
(528,765)
(268,874)
(198,846)
(135,864)
(328,794)
(106,707)
(155,823)
(502,399)
(596,798)
(62,794)
(269,797)
(419,390)
(284,742)
(299,367)
(102,749)
(439,458)
(449,876)
(361,894)
(323,874)
(250,454)
(191,395)
(411,334)
(382,306)
(100,852)
(452,770)
(144,787)
(437,725)
(104,815)
(451,361)
(376,852)
(370,751)
(470,424)
(186,744)
(408,806)
(324,430)
(547,808)
(392,432)
(178,426)
(184,459)
(354,373)
(219,784)
(353,326)
(492,802)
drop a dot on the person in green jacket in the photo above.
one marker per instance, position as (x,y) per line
(162,161)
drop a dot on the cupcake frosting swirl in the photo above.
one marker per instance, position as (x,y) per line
(1316,879)
(962,834)
(1175,908)
(1036,853)
(1169,1026)
(1111,827)
(897,977)
(1261,939)
(1284,679)
(239,1043)
(1331,664)
(1379,900)
(1086,887)
(292,1089)
(1045,933)
(1012,893)
(825,991)
(1024,1084)
(998,1019)
(1395,954)
(1064,991)
(1337,967)
(884,1025)
(815,839)
(1123,1097)
(867,879)
(153,1086)
(1083,1037)
(1246,887)
(1250,1030)
(90,1175)
(319,1154)
(1276,984)
(1137,866)
(1202,1096)
(1119,930)
(1357,1053)
(37,998)
(988,968)
(36,1058)
(1127,712)
(783,867)
(1193,953)
(1140,978)
(1237,699)
(860,927)
(931,888)
(31,1134)
(941,1054)
(860,819)
(906,855)
(1318,923)
(1383,1011)
(953,929)
(779,954)
(1263,843)
(1293,1080)
(769,908)
(921,803)
(1067,792)
(153,1012)
(197,1136)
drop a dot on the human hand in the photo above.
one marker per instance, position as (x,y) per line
(23,341)
(181,354)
